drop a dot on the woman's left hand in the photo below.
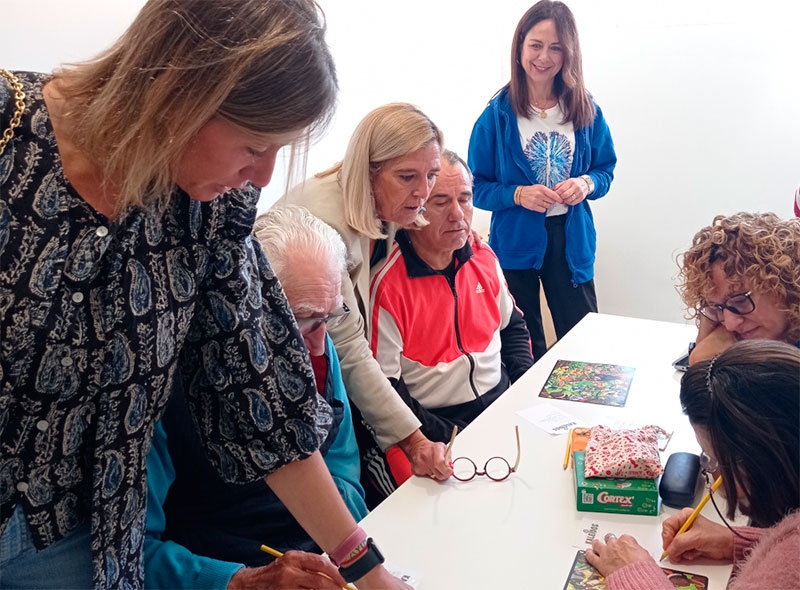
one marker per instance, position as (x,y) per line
(572,190)
(615,553)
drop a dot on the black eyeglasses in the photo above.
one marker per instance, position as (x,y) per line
(309,325)
(496,468)
(709,465)
(740,304)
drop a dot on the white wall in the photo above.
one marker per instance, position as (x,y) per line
(701,97)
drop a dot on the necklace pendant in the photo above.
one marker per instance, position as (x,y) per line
(543,114)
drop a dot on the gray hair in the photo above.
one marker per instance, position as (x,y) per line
(454,159)
(287,230)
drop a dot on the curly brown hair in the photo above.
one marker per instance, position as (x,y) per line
(758,249)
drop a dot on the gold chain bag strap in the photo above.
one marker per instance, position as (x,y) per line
(19,102)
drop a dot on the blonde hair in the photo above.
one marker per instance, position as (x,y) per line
(262,65)
(759,249)
(390,131)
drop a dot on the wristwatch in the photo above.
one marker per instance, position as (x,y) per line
(589,183)
(372,557)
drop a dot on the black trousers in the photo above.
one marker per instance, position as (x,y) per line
(568,303)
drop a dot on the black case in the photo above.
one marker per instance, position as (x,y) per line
(679,482)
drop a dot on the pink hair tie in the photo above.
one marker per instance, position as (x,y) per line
(351,544)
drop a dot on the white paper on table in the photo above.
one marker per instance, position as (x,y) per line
(404,574)
(550,419)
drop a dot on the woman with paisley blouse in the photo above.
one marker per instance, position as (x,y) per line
(129,191)
(539,152)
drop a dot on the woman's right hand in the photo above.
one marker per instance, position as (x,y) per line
(703,539)
(538,197)
(295,569)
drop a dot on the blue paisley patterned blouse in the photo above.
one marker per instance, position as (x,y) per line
(97,318)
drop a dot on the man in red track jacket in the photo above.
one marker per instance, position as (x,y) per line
(444,326)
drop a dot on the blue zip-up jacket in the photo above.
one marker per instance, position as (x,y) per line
(517,235)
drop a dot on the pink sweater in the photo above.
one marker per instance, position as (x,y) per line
(768,558)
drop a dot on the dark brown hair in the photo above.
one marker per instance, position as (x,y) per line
(748,401)
(568,84)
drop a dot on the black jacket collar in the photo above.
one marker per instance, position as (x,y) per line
(416,267)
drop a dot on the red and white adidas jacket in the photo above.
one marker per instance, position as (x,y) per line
(448,335)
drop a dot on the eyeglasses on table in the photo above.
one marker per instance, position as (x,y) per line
(495,468)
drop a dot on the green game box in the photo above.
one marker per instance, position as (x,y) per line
(624,496)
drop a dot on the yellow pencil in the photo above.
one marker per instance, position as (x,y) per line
(276,553)
(569,447)
(693,515)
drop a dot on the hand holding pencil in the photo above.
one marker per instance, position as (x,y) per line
(295,569)
(696,512)
(694,536)
(689,535)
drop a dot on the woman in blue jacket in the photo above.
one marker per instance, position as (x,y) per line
(539,152)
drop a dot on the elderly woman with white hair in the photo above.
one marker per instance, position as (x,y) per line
(213,539)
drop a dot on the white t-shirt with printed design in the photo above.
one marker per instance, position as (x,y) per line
(548,145)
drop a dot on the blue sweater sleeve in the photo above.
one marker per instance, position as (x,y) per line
(491,192)
(342,457)
(167,564)
(603,158)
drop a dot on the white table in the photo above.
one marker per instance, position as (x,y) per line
(522,532)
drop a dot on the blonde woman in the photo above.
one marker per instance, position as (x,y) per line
(128,192)
(381,184)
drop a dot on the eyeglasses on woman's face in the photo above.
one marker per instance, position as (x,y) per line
(309,325)
(495,468)
(709,465)
(740,304)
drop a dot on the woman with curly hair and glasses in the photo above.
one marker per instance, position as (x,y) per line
(741,280)
(744,406)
